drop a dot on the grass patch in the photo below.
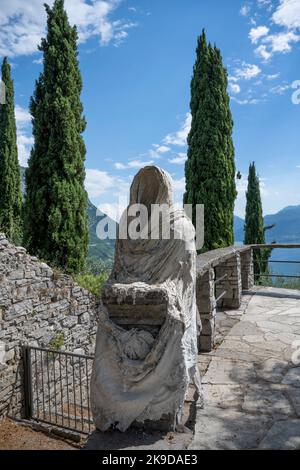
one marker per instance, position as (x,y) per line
(92,282)
(57,341)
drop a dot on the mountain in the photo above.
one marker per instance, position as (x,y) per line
(238,225)
(286,229)
(101,250)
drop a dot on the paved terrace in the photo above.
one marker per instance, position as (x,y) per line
(252,379)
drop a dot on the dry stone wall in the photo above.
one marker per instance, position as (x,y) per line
(38,307)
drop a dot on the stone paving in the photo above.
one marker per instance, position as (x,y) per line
(252,379)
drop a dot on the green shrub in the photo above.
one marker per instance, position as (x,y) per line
(97,266)
(57,341)
(91,282)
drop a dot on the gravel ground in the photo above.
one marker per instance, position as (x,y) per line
(14,436)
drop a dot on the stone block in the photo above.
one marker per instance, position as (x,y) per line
(208,327)
(206,343)
(20,308)
(247,270)
(16,275)
(69,321)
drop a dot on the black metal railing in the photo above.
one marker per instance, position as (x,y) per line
(267,273)
(57,388)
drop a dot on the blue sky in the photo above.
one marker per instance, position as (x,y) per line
(136,59)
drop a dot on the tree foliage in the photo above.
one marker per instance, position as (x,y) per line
(56,201)
(210,167)
(10,178)
(254,224)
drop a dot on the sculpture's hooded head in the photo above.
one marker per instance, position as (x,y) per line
(151,185)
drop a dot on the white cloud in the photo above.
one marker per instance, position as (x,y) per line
(257,33)
(22,115)
(24,143)
(179,138)
(38,61)
(120,166)
(265,4)
(114,210)
(234,88)
(245,101)
(24,137)
(179,160)
(282,42)
(288,14)
(108,192)
(135,164)
(240,203)
(241,186)
(161,148)
(98,182)
(22,23)
(245,10)
(178,185)
(247,71)
(273,77)
(280,89)
(262,51)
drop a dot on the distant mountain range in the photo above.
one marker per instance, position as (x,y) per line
(99,249)
(286,229)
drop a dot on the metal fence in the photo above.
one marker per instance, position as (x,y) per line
(264,267)
(57,388)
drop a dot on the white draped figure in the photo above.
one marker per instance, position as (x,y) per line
(146,348)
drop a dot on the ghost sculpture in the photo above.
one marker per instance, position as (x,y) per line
(146,344)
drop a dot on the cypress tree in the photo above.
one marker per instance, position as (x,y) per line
(56,201)
(210,167)
(10,178)
(254,223)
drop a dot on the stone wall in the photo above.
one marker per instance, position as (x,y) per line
(206,304)
(38,307)
(229,288)
(222,275)
(247,269)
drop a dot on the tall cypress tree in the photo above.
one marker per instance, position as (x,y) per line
(10,178)
(56,201)
(254,223)
(210,167)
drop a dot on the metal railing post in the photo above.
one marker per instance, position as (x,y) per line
(26,354)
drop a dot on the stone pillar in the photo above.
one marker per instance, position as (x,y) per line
(206,304)
(232,283)
(247,270)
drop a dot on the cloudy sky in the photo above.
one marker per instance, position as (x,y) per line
(136,59)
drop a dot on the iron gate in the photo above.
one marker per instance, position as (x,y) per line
(57,388)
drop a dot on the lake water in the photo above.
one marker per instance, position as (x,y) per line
(284,254)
